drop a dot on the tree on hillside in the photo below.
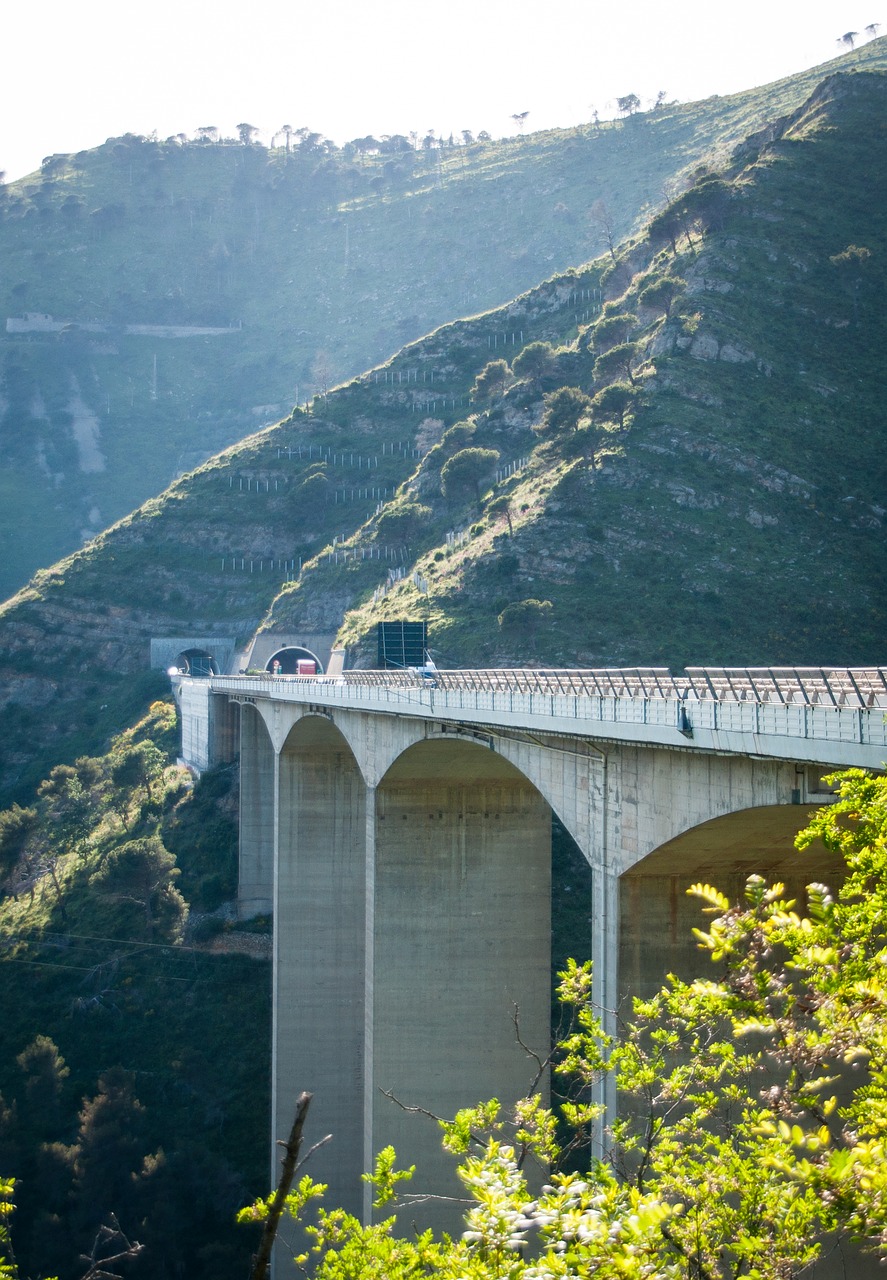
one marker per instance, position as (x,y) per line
(851,263)
(458,436)
(207,133)
(612,329)
(612,403)
(322,372)
(137,777)
(620,360)
(872,29)
(533,362)
(309,140)
(492,379)
(398,525)
(467,472)
(520,119)
(501,506)
(601,219)
(628,105)
(667,225)
(661,293)
(564,410)
(735,1155)
(16,824)
(367,145)
(45,1074)
(247,133)
(525,617)
(140,877)
(108,1157)
(68,800)
(848,39)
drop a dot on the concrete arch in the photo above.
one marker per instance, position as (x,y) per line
(462,934)
(658,797)
(656,915)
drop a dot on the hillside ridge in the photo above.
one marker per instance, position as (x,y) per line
(327,260)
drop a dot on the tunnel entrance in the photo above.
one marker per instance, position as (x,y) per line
(197,663)
(289,658)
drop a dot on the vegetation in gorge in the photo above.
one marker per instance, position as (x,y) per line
(117,1094)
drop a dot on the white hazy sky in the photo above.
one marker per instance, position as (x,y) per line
(76,74)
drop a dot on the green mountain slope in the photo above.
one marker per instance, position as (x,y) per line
(734,517)
(314,264)
(738,515)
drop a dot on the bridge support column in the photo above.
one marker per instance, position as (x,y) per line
(605,978)
(255,883)
(319,942)
(461,940)
(370,1147)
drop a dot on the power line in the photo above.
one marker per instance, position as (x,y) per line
(178,948)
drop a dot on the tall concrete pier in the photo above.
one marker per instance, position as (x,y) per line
(400,832)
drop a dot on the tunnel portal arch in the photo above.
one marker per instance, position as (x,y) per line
(198,663)
(289,657)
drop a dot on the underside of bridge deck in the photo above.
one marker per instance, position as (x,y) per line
(657,916)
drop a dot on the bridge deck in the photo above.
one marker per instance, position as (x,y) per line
(825,715)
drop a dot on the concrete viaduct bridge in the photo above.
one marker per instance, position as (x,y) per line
(399,829)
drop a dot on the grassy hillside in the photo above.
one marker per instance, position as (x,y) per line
(324,260)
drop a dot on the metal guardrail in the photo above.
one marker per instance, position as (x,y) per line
(786,686)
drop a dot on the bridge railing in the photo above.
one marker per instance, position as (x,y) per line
(803,686)
(847,706)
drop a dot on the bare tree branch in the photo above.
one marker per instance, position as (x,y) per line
(109,1235)
(416,1111)
(290,1161)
